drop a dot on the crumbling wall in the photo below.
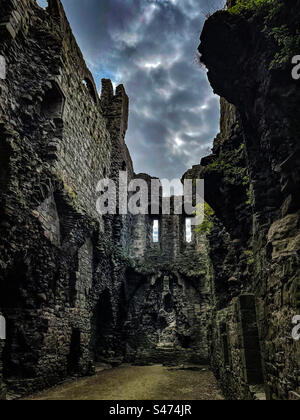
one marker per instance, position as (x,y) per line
(252,183)
(2,344)
(169,299)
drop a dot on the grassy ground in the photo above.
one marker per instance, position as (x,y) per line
(138,383)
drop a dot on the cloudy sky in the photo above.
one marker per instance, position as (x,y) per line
(151,47)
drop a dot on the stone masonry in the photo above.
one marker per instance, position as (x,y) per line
(78,288)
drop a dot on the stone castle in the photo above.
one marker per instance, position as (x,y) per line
(77,288)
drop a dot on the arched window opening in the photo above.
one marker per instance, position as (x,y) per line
(88,85)
(53,103)
(43,3)
(156,231)
(188,230)
(124,166)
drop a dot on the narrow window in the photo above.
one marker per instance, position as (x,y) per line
(188,230)
(155,231)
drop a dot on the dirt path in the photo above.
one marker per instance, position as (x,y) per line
(139,383)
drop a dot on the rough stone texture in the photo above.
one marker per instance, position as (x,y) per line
(77,288)
(59,257)
(169,302)
(252,183)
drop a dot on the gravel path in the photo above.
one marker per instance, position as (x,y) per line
(139,383)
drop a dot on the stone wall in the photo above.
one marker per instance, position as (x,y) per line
(74,285)
(2,344)
(58,139)
(252,183)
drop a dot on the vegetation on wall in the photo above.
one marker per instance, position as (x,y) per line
(207,224)
(228,163)
(273,13)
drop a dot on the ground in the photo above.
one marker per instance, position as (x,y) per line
(139,383)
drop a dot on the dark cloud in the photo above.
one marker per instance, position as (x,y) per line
(151,47)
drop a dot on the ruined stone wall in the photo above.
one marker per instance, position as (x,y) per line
(252,183)
(169,299)
(2,344)
(58,139)
(67,284)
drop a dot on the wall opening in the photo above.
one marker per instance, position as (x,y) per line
(11,296)
(188,230)
(12,302)
(104,323)
(155,231)
(168,303)
(75,352)
(11,367)
(5,155)
(88,85)
(2,328)
(73,285)
(225,344)
(43,3)
(18,349)
(166,284)
(53,103)
(185,341)
(49,218)
(124,166)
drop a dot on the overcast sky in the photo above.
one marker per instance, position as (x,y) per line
(151,47)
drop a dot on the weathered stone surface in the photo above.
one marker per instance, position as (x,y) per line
(255,195)
(77,288)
